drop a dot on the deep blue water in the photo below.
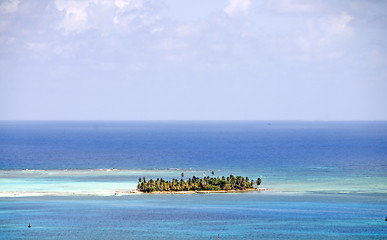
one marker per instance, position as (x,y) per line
(326,180)
(197,145)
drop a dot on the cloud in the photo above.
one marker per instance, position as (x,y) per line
(75,18)
(126,10)
(236,7)
(340,24)
(134,14)
(294,6)
(9,6)
(105,16)
(334,28)
(324,33)
(127,5)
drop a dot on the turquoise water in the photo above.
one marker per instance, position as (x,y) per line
(109,182)
(74,180)
(262,215)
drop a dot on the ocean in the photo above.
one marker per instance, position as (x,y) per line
(72,179)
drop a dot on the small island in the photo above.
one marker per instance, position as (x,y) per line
(199,185)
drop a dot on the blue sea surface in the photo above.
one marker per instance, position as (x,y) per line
(198,145)
(198,216)
(325,180)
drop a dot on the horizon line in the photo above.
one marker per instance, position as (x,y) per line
(188,120)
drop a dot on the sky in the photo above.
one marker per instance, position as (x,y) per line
(193,60)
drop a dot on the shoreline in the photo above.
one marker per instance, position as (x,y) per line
(204,191)
(115,193)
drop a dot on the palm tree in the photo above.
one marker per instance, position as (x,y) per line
(258,181)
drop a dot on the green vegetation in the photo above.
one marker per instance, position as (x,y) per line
(198,184)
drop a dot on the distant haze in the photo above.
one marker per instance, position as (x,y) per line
(193,60)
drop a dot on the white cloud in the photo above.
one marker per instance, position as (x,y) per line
(127,5)
(76,17)
(236,7)
(9,6)
(104,15)
(340,24)
(124,8)
(121,4)
(294,6)
(324,33)
(335,27)
(134,14)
